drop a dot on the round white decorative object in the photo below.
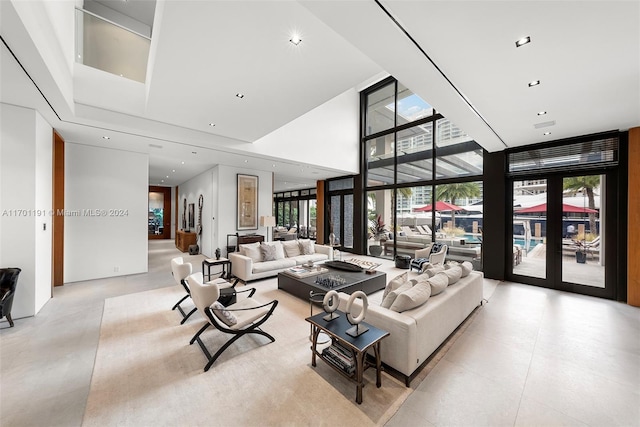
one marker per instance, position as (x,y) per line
(331,301)
(363,312)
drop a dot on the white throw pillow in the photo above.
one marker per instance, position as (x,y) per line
(454,274)
(388,301)
(438,283)
(433,269)
(395,283)
(227,317)
(291,248)
(252,250)
(412,298)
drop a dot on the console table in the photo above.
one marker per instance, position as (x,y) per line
(184,239)
(336,329)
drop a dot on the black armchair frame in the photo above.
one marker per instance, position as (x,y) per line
(253,328)
(8,283)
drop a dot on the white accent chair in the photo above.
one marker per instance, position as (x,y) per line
(247,314)
(434,258)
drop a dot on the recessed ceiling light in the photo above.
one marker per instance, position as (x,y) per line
(182,163)
(194,152)
(212,124)
(295,39)
(534,83)
(273,165)
(167,176)
(173,170)
(523,41)
(547,133)
(240,95)
(246,161)
(542,113)
(162,180)
(106,137)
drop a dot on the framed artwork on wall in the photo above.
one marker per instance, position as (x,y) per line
(192,210)
(247,207)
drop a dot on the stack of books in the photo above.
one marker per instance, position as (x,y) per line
(341,357)
(301,272)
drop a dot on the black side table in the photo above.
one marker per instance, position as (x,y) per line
(224,262)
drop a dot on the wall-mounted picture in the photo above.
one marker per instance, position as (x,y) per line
(247,202)
(192,215)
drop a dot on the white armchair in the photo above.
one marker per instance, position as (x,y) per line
(434,258)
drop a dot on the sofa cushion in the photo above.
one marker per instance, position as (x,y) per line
(268,252)
(301,259)
(467,267)
(432,269)
(412,298)
(279,264)
(307,247)
(291,248)
(395,283)
(251,250)
(454,274)
(388,300)
(438,283)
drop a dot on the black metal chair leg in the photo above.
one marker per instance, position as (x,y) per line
(10,320)
(178,303)
(195,337)
(188,315)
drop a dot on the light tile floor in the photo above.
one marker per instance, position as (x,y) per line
(531,357)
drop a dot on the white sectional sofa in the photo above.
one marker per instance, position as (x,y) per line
(416,333)
(249,262)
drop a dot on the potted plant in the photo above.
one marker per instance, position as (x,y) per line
(377,231)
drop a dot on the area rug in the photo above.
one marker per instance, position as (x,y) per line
(146,373)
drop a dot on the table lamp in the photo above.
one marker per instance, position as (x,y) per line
(268,221)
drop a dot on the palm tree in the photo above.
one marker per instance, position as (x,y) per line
(451,192)
(586,184)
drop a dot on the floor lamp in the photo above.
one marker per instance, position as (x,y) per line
(268,221)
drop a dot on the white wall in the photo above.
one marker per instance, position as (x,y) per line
(318,135)
(218,186)
(106,199)
(44,198)
(25,204)
(191,190)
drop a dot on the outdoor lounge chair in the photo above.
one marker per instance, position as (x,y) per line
(239,319)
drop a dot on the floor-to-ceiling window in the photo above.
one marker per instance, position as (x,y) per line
(340,196)
(296,211)
(416,160)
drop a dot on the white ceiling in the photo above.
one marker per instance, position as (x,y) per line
(453,54)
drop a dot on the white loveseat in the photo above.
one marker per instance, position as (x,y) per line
(416,333)
(249,262)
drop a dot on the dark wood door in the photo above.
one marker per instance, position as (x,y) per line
(159,220)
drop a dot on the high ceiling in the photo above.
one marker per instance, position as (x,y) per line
(460,56)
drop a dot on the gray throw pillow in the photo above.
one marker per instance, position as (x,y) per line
(225,316)
(306,247)
(268,252)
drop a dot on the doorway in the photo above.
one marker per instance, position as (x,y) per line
(559,233)
(159,216)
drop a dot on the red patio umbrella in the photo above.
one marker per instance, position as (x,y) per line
(440,206)
(565,208)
